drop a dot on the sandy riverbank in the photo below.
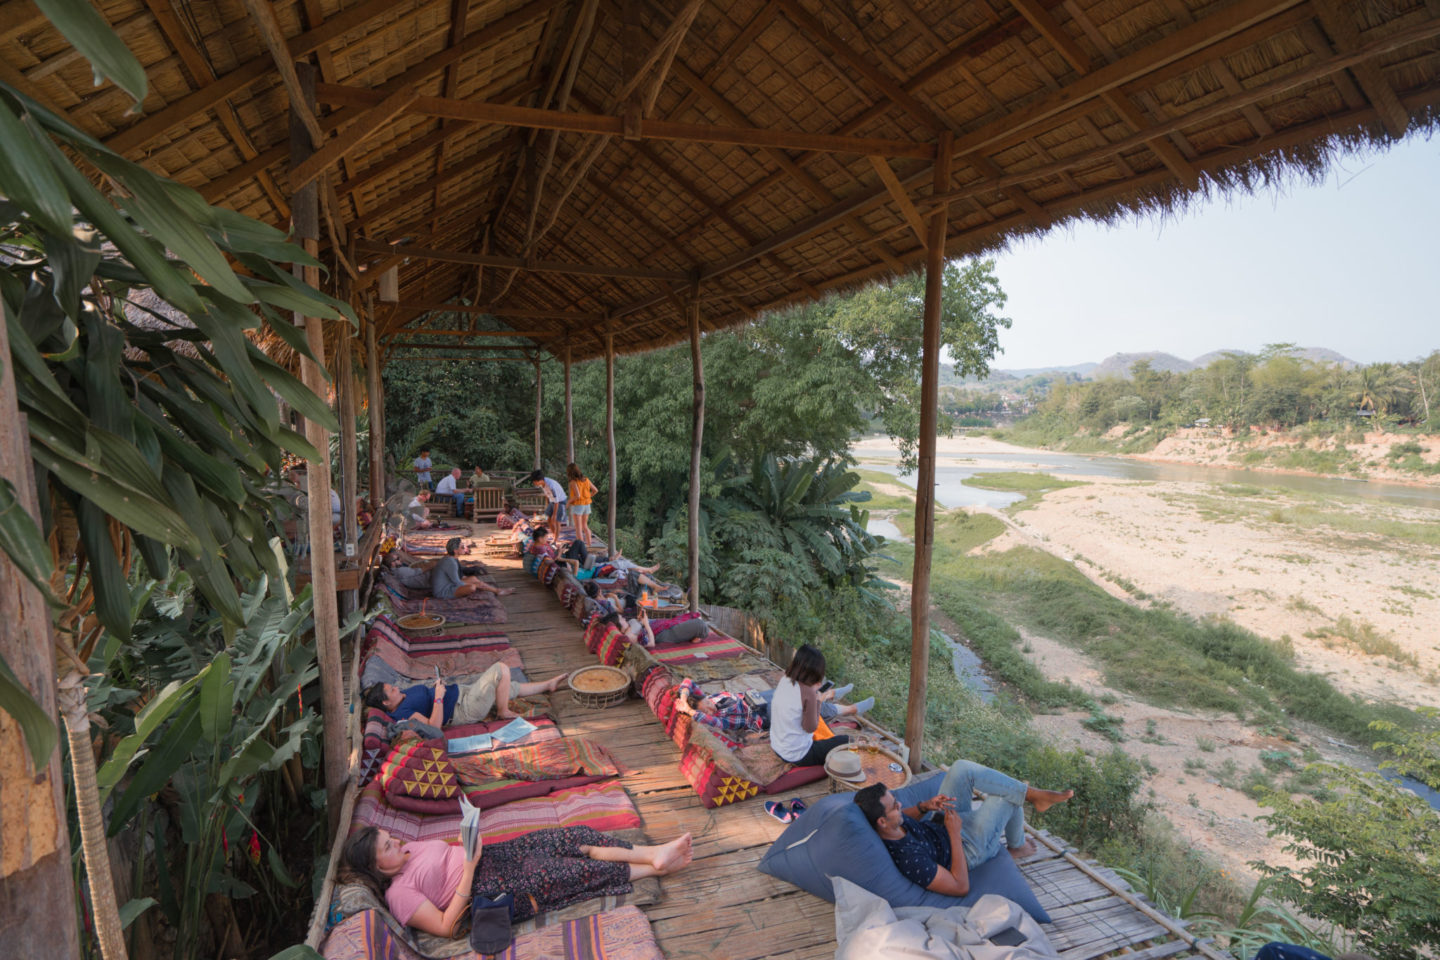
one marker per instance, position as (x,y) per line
(1279,565)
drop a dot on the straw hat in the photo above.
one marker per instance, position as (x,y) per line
(845,765)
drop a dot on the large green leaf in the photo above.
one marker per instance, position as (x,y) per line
(98,42)
(23,543)
(132,910)
(180,740)
(37,726)
(107,580)
(154,209)
(26,175)
(147,721)
(73,258)
(217,699)
(140,513)
(301,397)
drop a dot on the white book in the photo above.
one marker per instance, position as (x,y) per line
(469,827)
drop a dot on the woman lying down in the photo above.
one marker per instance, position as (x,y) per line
(429,885)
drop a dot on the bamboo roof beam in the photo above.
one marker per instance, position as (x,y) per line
(901,198)
(314,17)
(1068,48)
(364,126)
(743,136)
(263,15)
(426,331)
(199,71)
(398,344)
(521,263)
(518,313)
(1339,23)
(459,11)
(465,166)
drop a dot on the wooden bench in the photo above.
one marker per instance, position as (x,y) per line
(489,502)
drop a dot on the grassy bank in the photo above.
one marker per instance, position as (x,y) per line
(1033,485)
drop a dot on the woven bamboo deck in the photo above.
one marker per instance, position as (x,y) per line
(722,908)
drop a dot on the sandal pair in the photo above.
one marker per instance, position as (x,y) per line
(785,812)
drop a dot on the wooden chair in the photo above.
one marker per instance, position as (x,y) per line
(489,501)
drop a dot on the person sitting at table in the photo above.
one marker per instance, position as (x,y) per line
(449,486)
(448,580)
(478,477)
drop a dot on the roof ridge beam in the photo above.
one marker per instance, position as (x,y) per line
(1338,23)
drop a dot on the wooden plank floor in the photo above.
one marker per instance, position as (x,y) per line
(721,907)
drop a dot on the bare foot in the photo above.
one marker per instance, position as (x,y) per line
(1045,799)
(1027,849)
(673,856)
(505,713)
(504,591)
(554,682)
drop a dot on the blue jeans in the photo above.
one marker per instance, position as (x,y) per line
(1000,819)
(828,710)
(459,504)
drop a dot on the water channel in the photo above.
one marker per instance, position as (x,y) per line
(951,492)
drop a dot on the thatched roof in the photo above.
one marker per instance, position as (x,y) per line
(771,150)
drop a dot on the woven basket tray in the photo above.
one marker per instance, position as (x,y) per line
(598,687)
(421,624)
(875,762)
(498,548)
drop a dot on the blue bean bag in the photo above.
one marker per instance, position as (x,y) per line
(832,839)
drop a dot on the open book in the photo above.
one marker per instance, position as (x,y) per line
(469,827)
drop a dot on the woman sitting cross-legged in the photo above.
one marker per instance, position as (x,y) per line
(542,545)
(732,714)
(450,579)
(429,885)
(444,704)
(795,711)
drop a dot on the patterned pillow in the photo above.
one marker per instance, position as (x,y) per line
(414,769)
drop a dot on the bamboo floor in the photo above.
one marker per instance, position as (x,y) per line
(721,907)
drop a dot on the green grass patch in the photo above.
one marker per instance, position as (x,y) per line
(882,500)
(1365,637)
(1033,485)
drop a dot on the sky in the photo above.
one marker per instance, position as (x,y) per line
(1352,264)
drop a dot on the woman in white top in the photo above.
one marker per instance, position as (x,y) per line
(795,711)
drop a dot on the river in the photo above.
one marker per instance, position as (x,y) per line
(950,471)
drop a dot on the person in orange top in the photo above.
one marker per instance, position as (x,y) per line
(582,493)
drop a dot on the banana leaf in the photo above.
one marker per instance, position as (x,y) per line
(98,42)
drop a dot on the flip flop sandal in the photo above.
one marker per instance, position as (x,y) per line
(797,806)
(779,811)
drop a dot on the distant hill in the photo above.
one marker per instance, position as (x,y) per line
(1313,354)
(1081,369)
(1119,364)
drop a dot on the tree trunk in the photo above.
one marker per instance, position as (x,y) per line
(92,825)
(925,480)
(375,389)
(539,398)
(349,456)
(569,413)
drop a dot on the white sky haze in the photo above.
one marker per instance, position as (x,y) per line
(1352,264)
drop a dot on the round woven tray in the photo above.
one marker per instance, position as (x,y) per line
(877,763)
(597,687)
(421,624)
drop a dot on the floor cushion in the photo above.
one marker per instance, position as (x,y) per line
(832,839)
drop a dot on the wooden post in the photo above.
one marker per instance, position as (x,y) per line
(375,390)
(925,480)
(569,412)
(697,433)
(37,893)
(539,398)
(612,536)
(305,214)
(349,465)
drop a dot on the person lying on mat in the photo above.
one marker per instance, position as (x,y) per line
(451,580)
(429,885)
(795,711)
(556,500)
(443,705)
(940,855)
(672,630)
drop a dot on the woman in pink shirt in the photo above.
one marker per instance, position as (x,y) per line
(428,884)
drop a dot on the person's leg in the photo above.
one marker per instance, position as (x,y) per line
(464,590)
(540,686)
(490,691)
(687,631)
(965,777)
(652,861)
(987,828)
(820,749)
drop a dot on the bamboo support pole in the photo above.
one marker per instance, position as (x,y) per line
(349,455)
(925,480)
(569,412)
(697,433)
(539,402)
(375,391)
(611,535)
(305,208)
